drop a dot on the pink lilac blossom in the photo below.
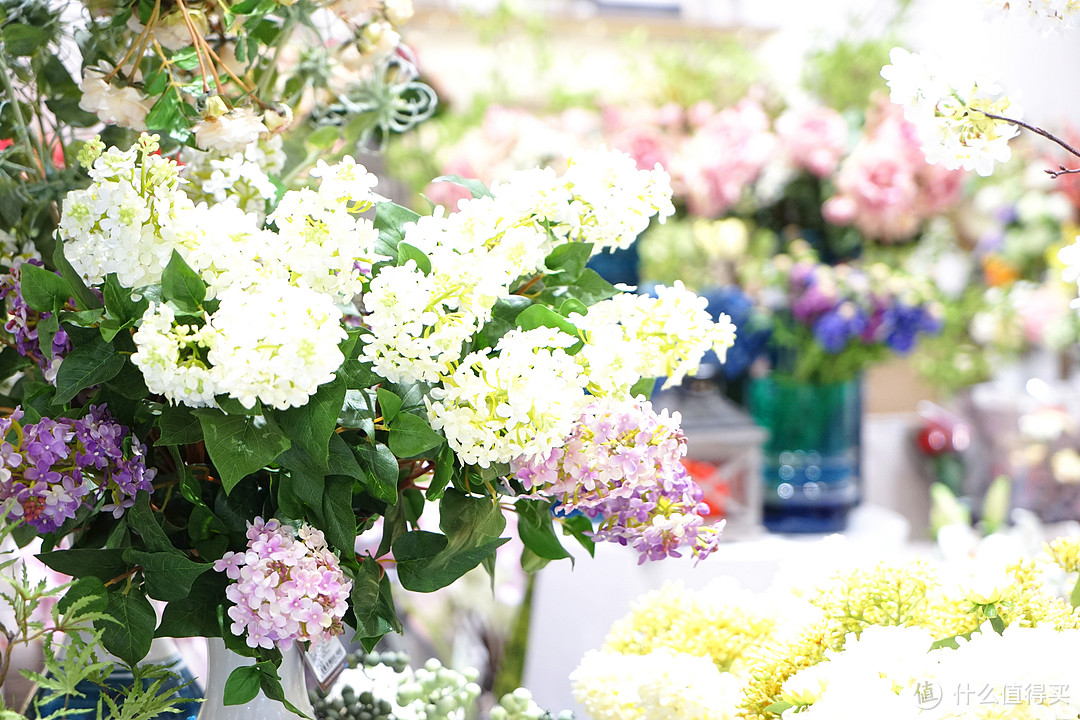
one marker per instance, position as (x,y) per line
(22,323)
(724,157)
(623,464)
(288,586)
(60,465)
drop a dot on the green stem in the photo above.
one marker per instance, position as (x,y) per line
(512,667)
(279,44)
(21,126)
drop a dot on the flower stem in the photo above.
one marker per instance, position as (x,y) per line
(1032,128)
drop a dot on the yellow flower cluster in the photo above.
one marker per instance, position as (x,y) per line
(1065,552)
(751,642)
(707,625)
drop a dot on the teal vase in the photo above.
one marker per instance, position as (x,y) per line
(812,457)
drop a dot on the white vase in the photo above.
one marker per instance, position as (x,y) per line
(221,662)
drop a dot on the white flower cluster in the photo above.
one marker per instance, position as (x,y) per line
(124,106)
(950,113)
(630,337)
(613,200)
(1048,16)
(130,218)
(1017,674)
(274,342)
(320,241)
(661,685)
(274,336)
(173,358)
(420,320)
(524,400)
(241,179)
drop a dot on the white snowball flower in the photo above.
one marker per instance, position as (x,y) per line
(666,336)
(124,106)
(240,179)
(130,219)
(523,401)
(173,358)
(274,342)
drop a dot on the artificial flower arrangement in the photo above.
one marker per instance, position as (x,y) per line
(906,639)
(204,418)
(829,322)
(218,76)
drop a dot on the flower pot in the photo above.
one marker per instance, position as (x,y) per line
(811,467)
(221,662)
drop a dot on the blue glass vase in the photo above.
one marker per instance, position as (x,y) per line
(812,457)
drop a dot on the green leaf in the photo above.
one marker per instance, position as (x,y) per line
(503,319)
(536,316)
(407,252)
(371,604)
(178,426)
(579,526)
(106,565)
(411,435)
(186,58)
(537,530)
(87,364)
(119,303)
(43,290)
(197,614)
(85,587)
(426,564)
(644,386)
(85,299)
(389,404)
(358,411)
(240,445)
(324,137)
(22,39)
(181,285)
(566,262)
(130,636)
(342,461)
(339,521)
(358,375)
(444,471)
(166,114)
(590,288)
(140,518)
(311,425)
(169,575)
(243,685)
(380,468)
(777,708)
(390,219)
(477,188)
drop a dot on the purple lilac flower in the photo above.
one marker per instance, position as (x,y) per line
(286,589)
(22,323)
(60,465)
(623,464)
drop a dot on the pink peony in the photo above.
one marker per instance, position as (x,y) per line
(815,138)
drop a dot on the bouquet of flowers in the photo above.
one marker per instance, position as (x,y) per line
(909,638)
(210,405)
(831,321)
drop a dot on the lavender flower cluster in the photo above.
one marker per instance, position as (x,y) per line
(623,463)
(23,322)
(286,589)
(56,466)
(843,304)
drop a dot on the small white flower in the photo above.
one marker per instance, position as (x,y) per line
(230,132)
(124,106)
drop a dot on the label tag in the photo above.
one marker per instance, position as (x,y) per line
(326,660)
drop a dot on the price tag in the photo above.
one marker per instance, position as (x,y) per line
(326,660)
